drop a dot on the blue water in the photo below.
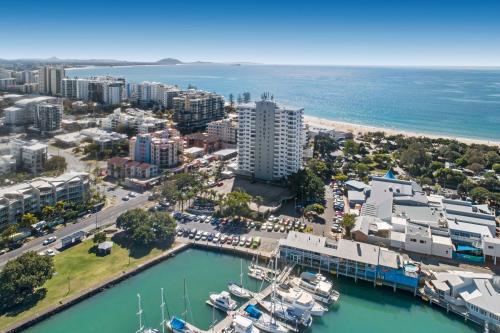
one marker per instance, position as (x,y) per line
(453,102)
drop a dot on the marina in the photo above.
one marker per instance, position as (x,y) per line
(361,306)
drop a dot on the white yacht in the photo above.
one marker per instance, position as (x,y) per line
(287,313)
(243,324)
(299,300)
(143,329)
(264,322)
(222,301)
(259,274)
(317,285)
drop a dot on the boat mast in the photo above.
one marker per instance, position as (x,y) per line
(139,313)
(241,275)
(162,306)
(185,302)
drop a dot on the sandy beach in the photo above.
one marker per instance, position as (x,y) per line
(356,128)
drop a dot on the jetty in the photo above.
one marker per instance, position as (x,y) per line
(224,324)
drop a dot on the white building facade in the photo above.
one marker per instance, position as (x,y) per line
(270,140)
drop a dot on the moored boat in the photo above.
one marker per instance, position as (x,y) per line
(242,324)
(262,321)
(317,285)
(222,301)
(287,313)
(299,300)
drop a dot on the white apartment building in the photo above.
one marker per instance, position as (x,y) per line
(270,140)
(225,129)
(7,164)
(101,89)
(50,80)
(153,92)
(29,155)
(47,118)
(139,120)
(21,113)
(32,196)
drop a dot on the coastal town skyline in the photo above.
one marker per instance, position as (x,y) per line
(410,33)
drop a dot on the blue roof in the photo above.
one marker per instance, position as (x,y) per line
(253,311)
(390,175)
(177,323)
(466,248)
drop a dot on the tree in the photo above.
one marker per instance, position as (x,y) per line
(316,208)
(307,186)
(145,228)
(341,177)
(348,222)
(362,169)
(324,145)
(319,167)
(231,100)
(258,201)
(496,167)
(48,212)
(21,277)
(27,220)
(237,203)
(246,97)
(169,191)
(476,167)
(351,147)
(479,194)
(99,237)
(59,208)
(55,163)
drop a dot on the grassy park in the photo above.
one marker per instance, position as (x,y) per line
(78,269)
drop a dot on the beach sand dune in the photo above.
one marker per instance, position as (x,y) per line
(356,128)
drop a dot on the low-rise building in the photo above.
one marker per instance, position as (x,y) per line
(208,142)
(7,164)
(474,295)
(32,196)
(122,167)
(29,155)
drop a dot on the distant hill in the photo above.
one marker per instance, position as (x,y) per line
(169,61)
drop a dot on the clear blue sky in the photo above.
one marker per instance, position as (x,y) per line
(355,32)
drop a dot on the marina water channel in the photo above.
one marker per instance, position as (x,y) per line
(361,308)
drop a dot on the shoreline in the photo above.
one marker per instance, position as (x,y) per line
(363,129)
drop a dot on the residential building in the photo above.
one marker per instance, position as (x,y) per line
(194,109)
(162,148)
(207,142)
(7,164)
(225,130)
(47,118)
(137,120)
(7,83)
(270,140)
(105,139)
(32,196)
(50,80)
(21,113)
(69,88)
(29,155)
(122,167)
(153,92)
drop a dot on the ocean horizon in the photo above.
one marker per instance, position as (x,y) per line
(452,102)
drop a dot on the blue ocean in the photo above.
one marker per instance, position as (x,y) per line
(461,103)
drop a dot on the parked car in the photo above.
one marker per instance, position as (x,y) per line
(236,240)
(50,252)
(269,227)
(125,198)
(50,240)
(223,239)
(243,241)
(249,242)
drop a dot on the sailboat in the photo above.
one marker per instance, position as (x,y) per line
(141,326)
(179,325)
(238,290)
(264,322)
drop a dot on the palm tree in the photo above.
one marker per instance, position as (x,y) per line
(220,202)
(48,211)
(28,220)
(258,201)
(59,207)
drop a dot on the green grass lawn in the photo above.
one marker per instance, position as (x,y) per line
(79,268)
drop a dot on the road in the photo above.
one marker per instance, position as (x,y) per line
(104,218)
